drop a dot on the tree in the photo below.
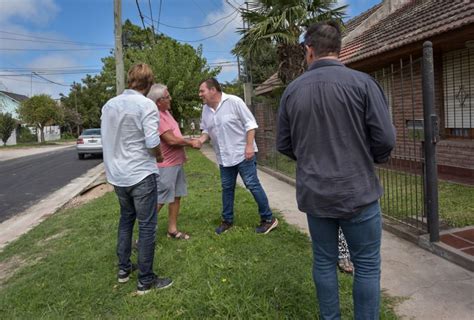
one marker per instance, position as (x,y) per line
(262,65)
(236,88)
(7,125)
(179,66)
(40,111)
(84,103)
(281,23)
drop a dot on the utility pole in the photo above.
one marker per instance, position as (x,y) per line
(119,68)
(248,87)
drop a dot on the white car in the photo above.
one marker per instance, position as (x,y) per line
(89,142)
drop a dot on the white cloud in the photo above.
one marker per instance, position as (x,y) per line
(227,27)
(30,84)
(33,11)
(18,19)
(226,64)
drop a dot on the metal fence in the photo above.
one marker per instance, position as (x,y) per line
(403,176)
(409,181)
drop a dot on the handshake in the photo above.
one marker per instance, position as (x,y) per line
(195,143)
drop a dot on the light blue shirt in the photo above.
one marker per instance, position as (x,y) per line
(227,127)
(129,127)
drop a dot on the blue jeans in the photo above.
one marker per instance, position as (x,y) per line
(138,202)
(363,234)
(248,171)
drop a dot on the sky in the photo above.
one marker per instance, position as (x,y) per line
(46,45)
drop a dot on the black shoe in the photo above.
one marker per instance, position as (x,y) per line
(224,226)
(266,226)
(156,284)
(124,275)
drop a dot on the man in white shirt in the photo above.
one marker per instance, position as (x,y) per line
(231,126)
(131,147)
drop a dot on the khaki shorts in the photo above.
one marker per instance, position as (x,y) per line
(171,184)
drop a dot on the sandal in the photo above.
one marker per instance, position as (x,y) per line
(345,266)
(178,235)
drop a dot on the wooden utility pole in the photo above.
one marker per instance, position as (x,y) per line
(248,86)
(119,68)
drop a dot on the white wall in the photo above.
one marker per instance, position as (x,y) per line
(51,133)
(12,140)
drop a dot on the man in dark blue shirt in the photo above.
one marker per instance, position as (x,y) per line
(335,122)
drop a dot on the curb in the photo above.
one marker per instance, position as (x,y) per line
(422,240)
(20,224)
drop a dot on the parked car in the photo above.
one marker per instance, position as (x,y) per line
(89,142)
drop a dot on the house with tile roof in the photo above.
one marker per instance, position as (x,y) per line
(386,41)
(9,102)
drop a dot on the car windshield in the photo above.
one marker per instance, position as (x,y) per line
(91,132)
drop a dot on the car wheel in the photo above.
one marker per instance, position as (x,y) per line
(81,156)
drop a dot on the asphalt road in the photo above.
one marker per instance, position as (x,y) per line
(25,181)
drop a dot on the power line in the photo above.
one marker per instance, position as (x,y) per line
(194,27)
(159,17)
(214,35)
(51,81)
(54,40)
(52,72)
(200,8)
(35,49)
(52,68)
(151,15)
(143,22)
(21,80)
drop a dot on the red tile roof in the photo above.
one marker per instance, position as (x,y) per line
(414,22)
(356,21)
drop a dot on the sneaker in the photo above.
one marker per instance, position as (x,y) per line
(225,225)
(267,225)
(157,284)
(124,275)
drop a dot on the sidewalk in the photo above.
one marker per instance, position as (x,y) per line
(434,288)
(13,153)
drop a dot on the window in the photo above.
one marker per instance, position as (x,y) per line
(383,77)
(458,78)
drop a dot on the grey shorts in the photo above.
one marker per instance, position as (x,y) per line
(171,184)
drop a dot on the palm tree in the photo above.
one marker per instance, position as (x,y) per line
(281,23)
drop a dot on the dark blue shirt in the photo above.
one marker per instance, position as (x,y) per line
(335,122)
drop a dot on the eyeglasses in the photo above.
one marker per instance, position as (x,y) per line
(168,97)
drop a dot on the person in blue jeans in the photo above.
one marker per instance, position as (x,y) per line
(227,120)
(129,127)
(335,122)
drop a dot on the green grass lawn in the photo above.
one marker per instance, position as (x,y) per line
(404,194)
(67,265)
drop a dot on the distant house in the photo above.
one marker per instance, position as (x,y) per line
(9,102)
(386,41)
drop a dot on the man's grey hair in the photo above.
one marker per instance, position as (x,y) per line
(157,91)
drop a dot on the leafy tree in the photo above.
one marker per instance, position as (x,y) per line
(281,23)
(262,65)
(40,111)
(236,88)
(7,125)
(72,119)
(178,66)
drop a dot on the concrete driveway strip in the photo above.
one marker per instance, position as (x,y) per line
(434,288)
(14,227)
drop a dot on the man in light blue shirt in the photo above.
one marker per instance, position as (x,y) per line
(131,147)
(231,126)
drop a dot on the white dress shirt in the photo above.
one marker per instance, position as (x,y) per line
(129,127)
(227,127)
